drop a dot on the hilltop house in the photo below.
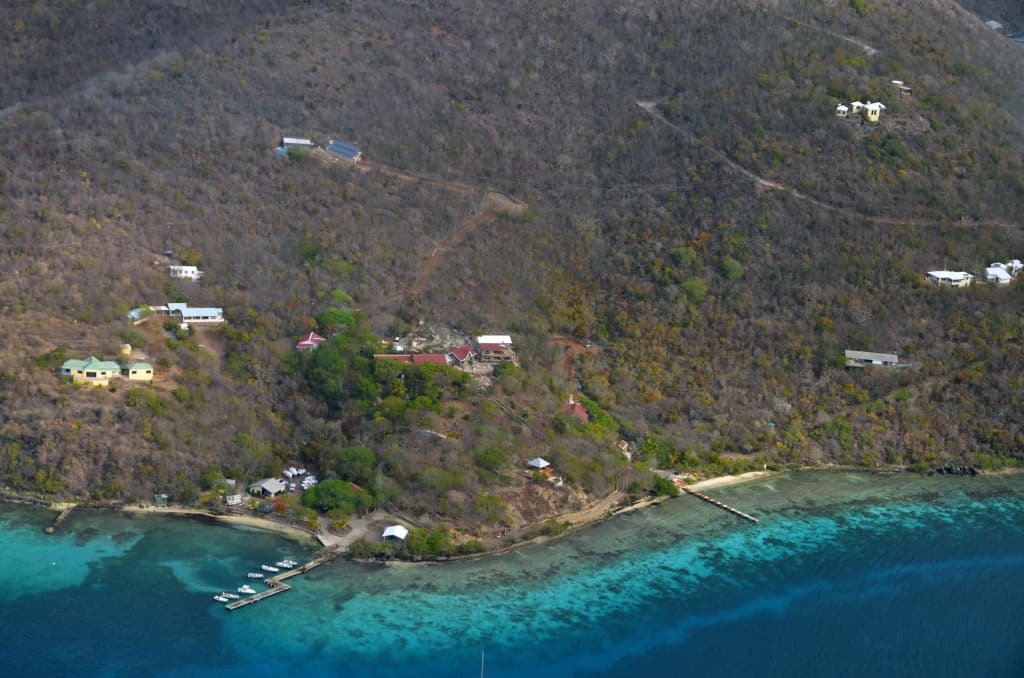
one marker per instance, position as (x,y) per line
(951,278)
(865,358)
(92,371)
(998,274)
(842,111)
(902,90)
(309,341)
(184,272)
(137,371)
(344,150)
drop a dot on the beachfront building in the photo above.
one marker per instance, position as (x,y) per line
(91,371)
(395,533)
(951,278)
(268,487)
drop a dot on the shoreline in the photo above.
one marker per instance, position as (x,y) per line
(255,522)
(600,511)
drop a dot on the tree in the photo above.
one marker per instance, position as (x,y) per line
(358,464)
(337,494)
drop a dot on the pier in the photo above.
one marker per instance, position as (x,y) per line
(276,583)
(720,505)
(59,520)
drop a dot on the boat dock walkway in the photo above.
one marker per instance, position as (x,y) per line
(719,504)
(59,520)
(276,583)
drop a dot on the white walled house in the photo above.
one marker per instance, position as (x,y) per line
(951,278)
(184,272)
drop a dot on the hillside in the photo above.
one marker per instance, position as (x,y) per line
(720,244)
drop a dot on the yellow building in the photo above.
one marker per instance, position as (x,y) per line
(137,372)
(91,371)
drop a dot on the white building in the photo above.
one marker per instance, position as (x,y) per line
(997,273)
(842,111)
(295,142)
(196,315)
(865,358)
(951,278)
(504,339)
(185,272)
(398,532)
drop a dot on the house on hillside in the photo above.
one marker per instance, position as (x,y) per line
(415,358)
(495,348)
(873,111)
(310,341)
(866,358)
(295,142)
(842,111)
(950,278)
(856,107)
(184,272)
(901,89)
(91,371)
(196,315)
(538,464)
(997,273)
(137,371)
(577,410)
(461,355)
(344,150)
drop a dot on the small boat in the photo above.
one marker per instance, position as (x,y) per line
(246,589)
(286,563)
(255,575)
(270,568)
(220,598)
(232,596)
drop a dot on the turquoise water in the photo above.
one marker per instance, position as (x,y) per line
(846,575)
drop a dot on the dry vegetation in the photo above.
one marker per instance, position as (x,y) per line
(719,305)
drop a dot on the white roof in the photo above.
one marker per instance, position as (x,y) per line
(896,82)
(494,339)
(841,107)
(876,105)
(857,103)
(396,531)
(998,273)
(538,463)
(272,485)
(294,141)
(950,275)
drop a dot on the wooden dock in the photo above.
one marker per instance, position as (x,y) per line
(719,504)
(276,583)
(59,520)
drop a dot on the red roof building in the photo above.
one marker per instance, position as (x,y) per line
(435,358)
(401,357)
(461,354)
(309,342)
(577,410)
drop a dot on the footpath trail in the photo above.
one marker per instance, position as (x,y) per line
(651,107)
(492,205)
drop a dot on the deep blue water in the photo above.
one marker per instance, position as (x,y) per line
(846,575)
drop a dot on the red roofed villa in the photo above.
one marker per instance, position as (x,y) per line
(309,342)
(577,410)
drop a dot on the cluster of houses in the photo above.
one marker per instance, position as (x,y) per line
(340,149)
(96,372)
(996,272)
(490,348)
(872,110)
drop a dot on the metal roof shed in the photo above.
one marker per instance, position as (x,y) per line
(538,463)
(396,532)
(345,150)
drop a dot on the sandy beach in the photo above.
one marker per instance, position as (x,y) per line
(255,522)
(722,481)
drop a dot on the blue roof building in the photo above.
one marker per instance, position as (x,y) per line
(344,150)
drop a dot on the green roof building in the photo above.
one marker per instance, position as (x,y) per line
(92,370)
